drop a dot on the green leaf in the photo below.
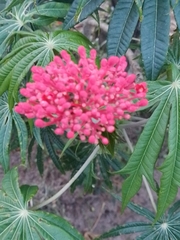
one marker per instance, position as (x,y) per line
(5,131)
(52,9)
(176,9)
(67,145)
(39,160)
(127,229)
(88,179)
(12,4)
(11,188)
(60,144)
(122,26)
(157,91)
(2,5)
(155,36)
(139,4)
(172,210)
(15,21)
(158,234)
(22,134)
(104,168)
(43,20)
(28,192)
(37,135)
(174,50)
(30,148)
(146,152)
(80,9)
(135,208)
(114,163)
(34,47)
(51,149)
(170,180)
(110,147)
(18,222)
(166,228)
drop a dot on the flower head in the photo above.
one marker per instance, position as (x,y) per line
(82,98)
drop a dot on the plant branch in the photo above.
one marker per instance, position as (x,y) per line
(134,124)
(58,194)
(143,177)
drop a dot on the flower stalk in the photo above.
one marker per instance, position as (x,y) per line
(73,179)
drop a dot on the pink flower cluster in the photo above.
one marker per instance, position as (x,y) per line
(82,98)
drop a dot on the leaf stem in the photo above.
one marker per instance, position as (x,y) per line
(134,124)
(58,194)
(143,177)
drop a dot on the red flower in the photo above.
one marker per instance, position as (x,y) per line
(82,98)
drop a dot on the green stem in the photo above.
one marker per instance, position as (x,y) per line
(58,194)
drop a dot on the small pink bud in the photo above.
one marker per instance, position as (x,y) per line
(40,123)
(110,129)
(82,52)
(25,92)
(113,60)
(19,110)
(87,132)
(93,54)
(59,131)
(70,134)
(104,140)
(77,127)
(92,139)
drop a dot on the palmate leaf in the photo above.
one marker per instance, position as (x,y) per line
(2,5)
(144,157)
(22,134)
(18,222)
(59,143)
(170,180)
(15,21)
(44,20)
(80,9)
(37,135)
(51,9)
(39,160)
(127,229)
(146,152)
(51,149)
(104,168)
(7,117)
(5,131)
(174,50)
(88,179)
(28,192)
(12,4)
(34,47)
(122,26)
(154,36)
(135,208)
(173,209)
(156,91)
(166,228)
